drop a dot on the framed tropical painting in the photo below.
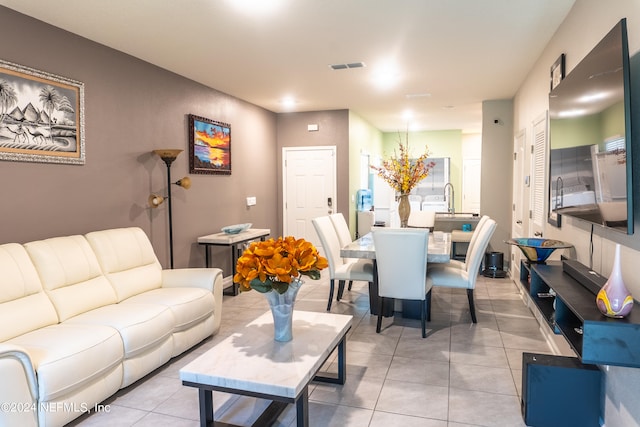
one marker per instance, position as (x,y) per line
(41,116)
(209,146)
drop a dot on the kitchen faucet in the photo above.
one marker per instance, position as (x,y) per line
(451,200)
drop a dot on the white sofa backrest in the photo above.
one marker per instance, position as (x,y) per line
(70,275)
(127,259)
(24,306)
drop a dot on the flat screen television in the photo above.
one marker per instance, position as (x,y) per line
(590,138)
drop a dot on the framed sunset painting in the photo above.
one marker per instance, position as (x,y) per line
(209,146)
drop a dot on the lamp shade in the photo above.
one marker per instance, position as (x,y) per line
(184,183)
(168,153)
(155,200)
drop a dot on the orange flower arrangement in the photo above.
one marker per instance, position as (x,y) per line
(403,173)
(273,264)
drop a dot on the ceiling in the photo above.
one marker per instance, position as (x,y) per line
(446,56)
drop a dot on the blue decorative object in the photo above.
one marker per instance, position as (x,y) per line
(236,228)
(537,250)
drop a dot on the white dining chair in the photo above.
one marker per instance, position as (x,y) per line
(422,219)
(342,229)
(474,239)
(465,278)
(401,259)
(339,269)
(344,235)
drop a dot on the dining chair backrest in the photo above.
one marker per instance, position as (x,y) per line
(477,253)
(330,243)
(422,219)
(342,229)
(401,257)
(478,230)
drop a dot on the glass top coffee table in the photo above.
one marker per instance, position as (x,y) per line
(251,363)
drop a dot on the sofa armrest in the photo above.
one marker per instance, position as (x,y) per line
(206,278)
(18,388)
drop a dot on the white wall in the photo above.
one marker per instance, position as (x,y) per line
(584,27)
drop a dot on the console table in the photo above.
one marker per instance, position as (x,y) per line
(596,339)
(235,242)
(556,389)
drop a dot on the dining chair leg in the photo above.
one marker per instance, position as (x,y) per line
(379,325)
(332,282)
(423,318)
(429,305)
(350,284)
(340,289)
(472,306)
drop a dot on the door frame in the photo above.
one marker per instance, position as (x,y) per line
(334,190)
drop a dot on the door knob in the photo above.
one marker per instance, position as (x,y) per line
(537,234)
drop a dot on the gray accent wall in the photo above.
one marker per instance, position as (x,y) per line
(497,170)
(133,107)
(333,130)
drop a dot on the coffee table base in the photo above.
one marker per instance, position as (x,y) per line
(278,403)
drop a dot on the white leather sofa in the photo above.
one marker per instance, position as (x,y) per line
(84,316)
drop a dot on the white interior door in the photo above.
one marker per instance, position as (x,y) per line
(517,227)
(539,177)
(309,181)
(471,177)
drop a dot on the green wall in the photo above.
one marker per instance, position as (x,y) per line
(366,139)
(363,139)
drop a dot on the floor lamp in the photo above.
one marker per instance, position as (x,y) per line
(168,156)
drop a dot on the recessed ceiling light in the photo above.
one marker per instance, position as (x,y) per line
(288,102)
(386,76)
(256,7)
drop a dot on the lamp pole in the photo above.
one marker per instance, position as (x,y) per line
(168,156)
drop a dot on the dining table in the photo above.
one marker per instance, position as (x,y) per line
(438,251)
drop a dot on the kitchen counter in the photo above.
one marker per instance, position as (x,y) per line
(448,222)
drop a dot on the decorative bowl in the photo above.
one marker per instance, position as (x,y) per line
(236,228)
(537,250)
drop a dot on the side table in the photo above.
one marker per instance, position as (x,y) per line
(235,242)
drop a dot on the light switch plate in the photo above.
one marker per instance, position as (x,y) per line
(251,201)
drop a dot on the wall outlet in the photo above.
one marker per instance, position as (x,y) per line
(251,201)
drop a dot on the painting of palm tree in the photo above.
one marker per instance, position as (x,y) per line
(41,116)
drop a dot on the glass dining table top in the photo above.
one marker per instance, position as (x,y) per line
(438,248)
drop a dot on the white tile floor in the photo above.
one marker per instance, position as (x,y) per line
(461,375)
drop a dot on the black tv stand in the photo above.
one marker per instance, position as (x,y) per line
(572,312)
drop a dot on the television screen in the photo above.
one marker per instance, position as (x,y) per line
(590,137)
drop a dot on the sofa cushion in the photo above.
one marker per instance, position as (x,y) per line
(68,357)
(127,259)
(24,306)
(71,275)
(189,306)
(141,326)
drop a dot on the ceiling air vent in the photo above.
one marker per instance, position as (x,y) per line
(345,66)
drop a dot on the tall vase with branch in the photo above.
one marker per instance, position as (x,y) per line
(403,173)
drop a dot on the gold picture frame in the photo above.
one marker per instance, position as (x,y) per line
(41,116)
